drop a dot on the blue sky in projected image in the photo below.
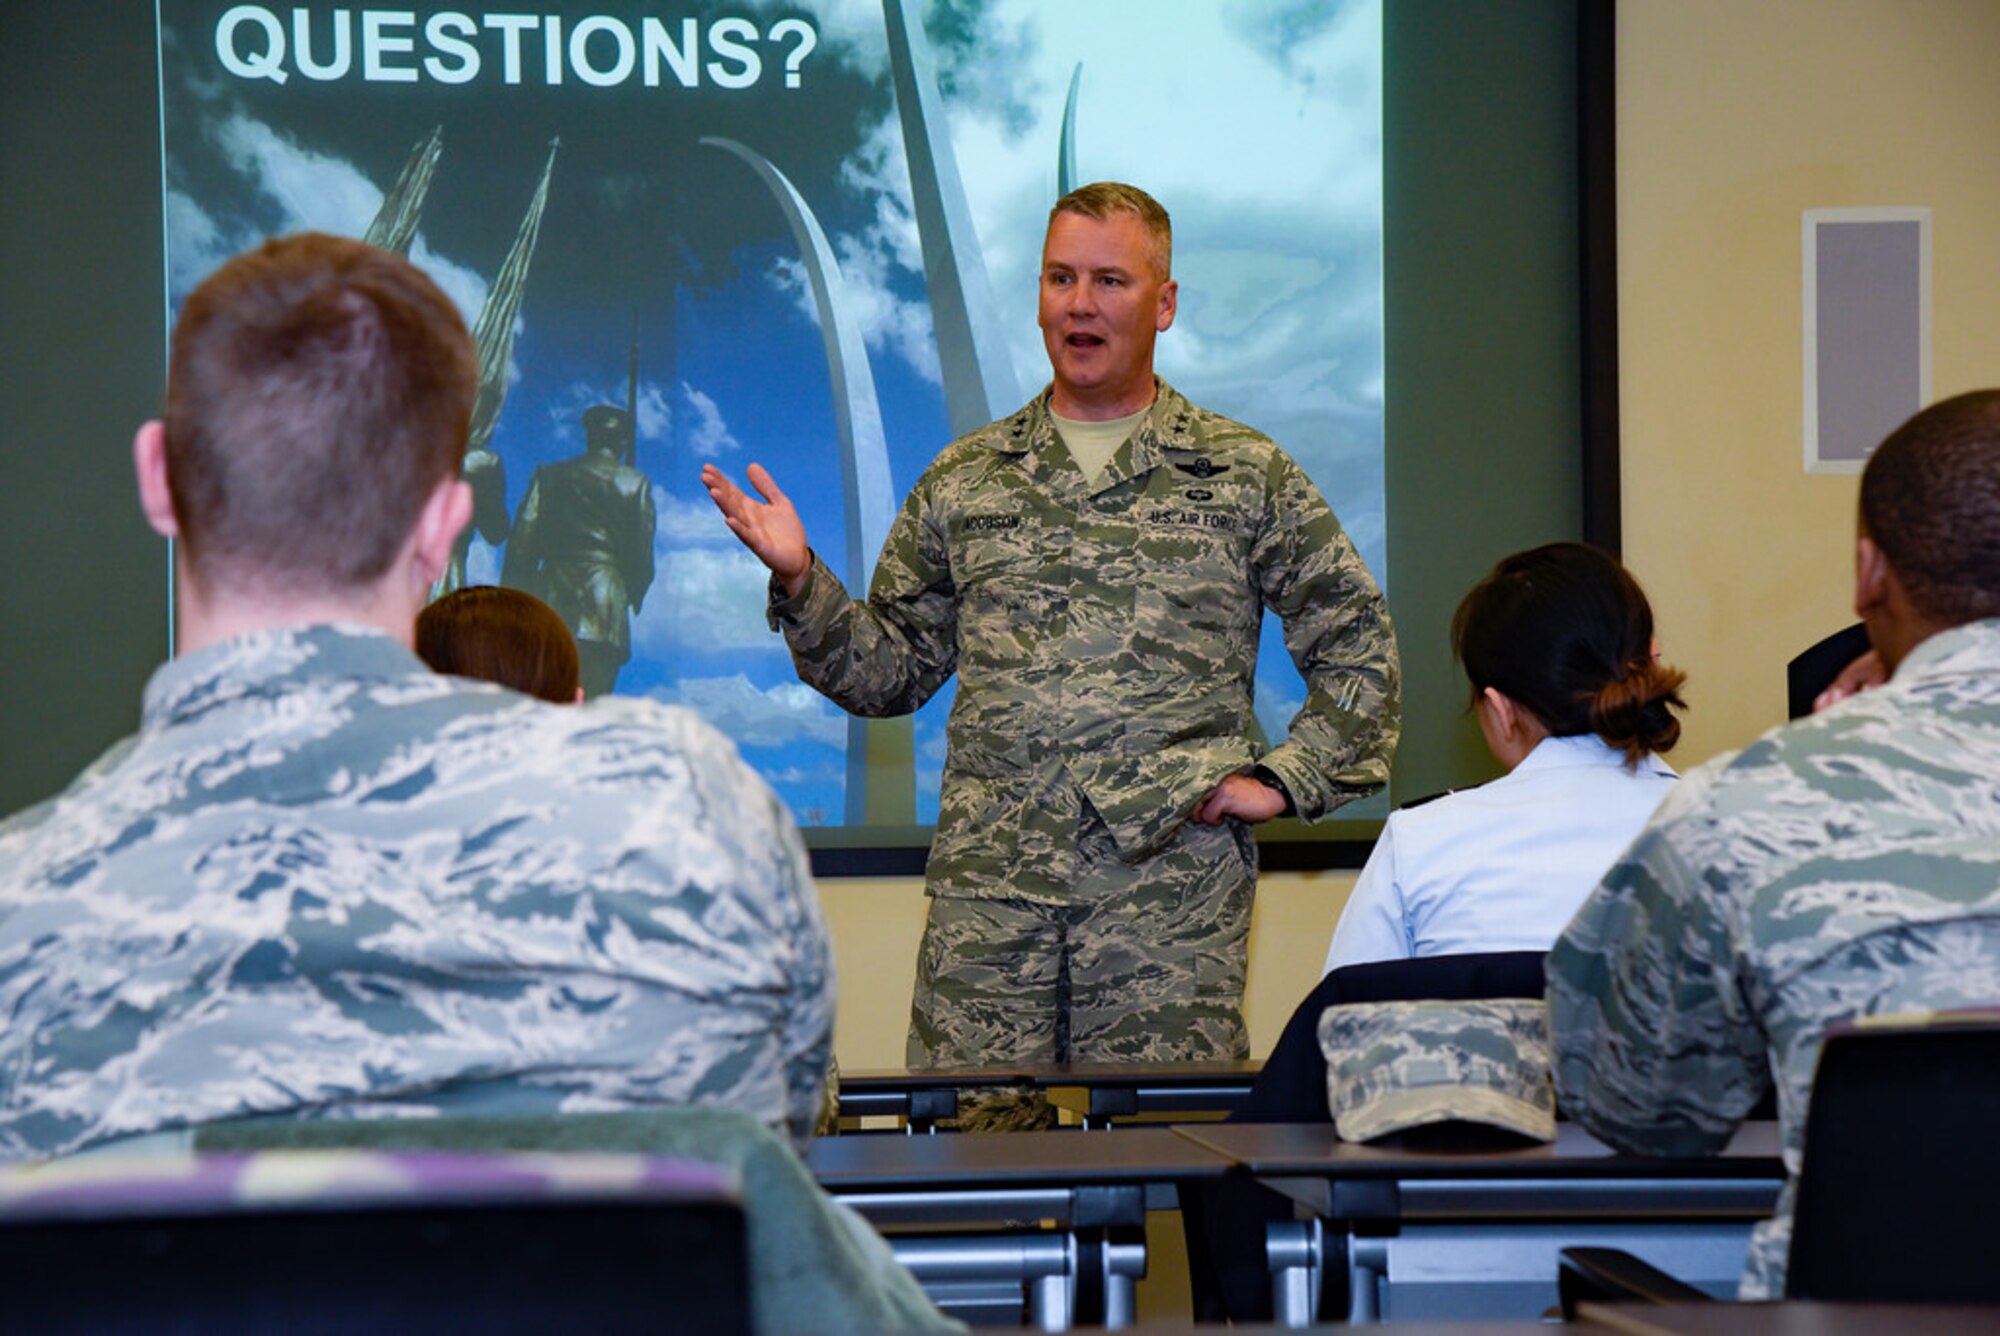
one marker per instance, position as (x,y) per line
(1258,125)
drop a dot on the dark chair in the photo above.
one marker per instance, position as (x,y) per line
(1897,1183)
(347,1241)
(814,1265)
(1291,1087)
(1225,1223)
(1813,670)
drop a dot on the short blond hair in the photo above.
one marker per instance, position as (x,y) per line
(1108,199)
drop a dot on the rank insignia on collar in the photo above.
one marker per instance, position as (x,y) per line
(1203,468)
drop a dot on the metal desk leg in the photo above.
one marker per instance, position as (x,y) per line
(1052,1303)
(1367,1269)
(1045,1263)
(1293,1247)
(1124,1266)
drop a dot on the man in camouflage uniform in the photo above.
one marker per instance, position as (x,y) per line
(322,880)
(1095,568)
(1839,867)
(583,543)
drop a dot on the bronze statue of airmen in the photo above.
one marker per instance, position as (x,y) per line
(583,544)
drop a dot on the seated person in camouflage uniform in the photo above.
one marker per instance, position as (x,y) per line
(503,635)
(324,881)
(1841,866)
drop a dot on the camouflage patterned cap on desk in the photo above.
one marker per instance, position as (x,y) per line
(1391,1066)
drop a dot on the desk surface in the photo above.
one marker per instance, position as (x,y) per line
(1791,1318)
(1106,1074)
(1208,1150)
(1315,1150)
(1179,1326)
(885,1162)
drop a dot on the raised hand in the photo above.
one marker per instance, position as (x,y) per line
(770,528)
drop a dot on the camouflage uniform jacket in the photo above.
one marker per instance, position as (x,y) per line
(323,880)
(1105,636)
(1839,867)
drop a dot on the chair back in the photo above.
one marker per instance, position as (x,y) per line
(1291,1088)
(333,1241)
(813,1264)
(1813,669)
(1902,1165)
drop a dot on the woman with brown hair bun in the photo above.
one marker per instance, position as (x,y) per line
(501,635)
(1569,691)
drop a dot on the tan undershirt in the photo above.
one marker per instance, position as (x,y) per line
(1091,444)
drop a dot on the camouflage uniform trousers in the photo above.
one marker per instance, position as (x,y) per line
(1144,962)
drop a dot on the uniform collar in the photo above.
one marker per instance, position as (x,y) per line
(265,662)
(1169,427)
(1584,749)
(1957,652)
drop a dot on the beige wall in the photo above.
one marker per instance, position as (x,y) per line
(1734,116)
(876,923)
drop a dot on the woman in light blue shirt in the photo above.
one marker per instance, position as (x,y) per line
(1569,690)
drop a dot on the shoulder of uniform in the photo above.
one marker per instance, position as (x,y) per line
(967,451)
(1012,434)
(1716,792)
(639,717)
(1185,426)
(609,725)
(967,458)
(628,744)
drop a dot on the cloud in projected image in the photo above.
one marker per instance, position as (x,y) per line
(777,716)
(705,600)
(295,189)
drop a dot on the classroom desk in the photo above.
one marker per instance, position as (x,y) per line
(1442,1234)
(1060,1212)
(1096,1091)
(1791,1317)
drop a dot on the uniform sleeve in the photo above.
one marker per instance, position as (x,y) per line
(1337,629)
(1657,1050)
(808,1043)
(1372,925)
(771,929)
(890,654)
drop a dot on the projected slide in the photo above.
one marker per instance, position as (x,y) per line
(804,234)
